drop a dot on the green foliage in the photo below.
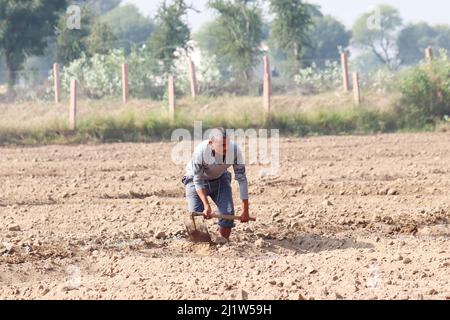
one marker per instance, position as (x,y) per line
(376,31)
(426,91)
(313,80)
(381,80)
(290,27)
(415,38)
(366,63)
(238,35)
(93,37)
(100,7)
(207,43)
(24,28)
(129,26)
(326,37)
(172,33)
(100,75)
(100,40)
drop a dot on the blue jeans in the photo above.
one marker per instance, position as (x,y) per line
(219,191)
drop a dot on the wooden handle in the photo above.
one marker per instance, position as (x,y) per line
(223,216)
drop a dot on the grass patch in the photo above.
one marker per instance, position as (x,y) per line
(144,121)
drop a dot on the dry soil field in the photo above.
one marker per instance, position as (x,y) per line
(347,217)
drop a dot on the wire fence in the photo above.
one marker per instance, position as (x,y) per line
(125,81)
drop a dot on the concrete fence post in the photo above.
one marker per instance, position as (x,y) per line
(345,77)
(356,88)
(429,54)
(73,105)
(125,88)
(267,85)
(171,88)
(57,83)
(192,78)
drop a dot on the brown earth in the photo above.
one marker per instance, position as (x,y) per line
(347,217)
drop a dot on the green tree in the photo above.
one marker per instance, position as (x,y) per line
(129,26)
(24,28)
(101,39)
(325,38)
(415,38)
(290,27)
(100,7)
(172,33)
(93,37)
(377,32)
(207,42)
(238,34)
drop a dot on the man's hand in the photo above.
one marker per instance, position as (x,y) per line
(207,212)
(245,217)
(204,197)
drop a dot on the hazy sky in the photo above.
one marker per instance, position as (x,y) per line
(431,11)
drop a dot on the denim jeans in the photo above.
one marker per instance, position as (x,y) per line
(219,191)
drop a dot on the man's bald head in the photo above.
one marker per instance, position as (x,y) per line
(219,140)
(218,134)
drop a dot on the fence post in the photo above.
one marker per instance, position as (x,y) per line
(125,82)
(429,54)
(267,86)
(192,78)
(345,77)
(356,88)
(73,105)
(171,87)
(57,83)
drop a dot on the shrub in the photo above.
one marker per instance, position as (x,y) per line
(100,75)
(425,92)
(315,80)
(381,81)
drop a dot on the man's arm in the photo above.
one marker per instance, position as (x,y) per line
(241,177)
(198,170)
(207,207)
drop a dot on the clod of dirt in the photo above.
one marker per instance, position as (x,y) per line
(160,235)
(14,227)
(221,240)
(294,224)
(407,261)
(132,175)
(260,243)
(337,296)
(392,192)
(300,297)
(9,247)
(432,292)
(310,270)
(275,215)
(327,203)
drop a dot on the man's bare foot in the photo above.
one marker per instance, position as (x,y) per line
(225,232)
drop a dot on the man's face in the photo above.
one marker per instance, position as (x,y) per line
(220,146)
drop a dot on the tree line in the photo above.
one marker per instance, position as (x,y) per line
(297,33)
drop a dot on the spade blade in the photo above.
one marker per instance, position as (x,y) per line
(197,229)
